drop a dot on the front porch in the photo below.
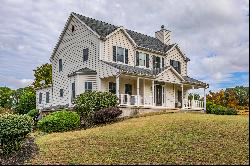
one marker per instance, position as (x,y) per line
(143,92)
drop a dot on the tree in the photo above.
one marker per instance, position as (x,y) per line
(44,72)
(26,100)
(5,97)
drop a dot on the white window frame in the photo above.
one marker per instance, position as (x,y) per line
(123,54)
(85,90)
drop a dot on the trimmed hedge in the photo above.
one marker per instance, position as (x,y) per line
(212,108)
(59,121)
(14,129)
(89,102)
(106,115)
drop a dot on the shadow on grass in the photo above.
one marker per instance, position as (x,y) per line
(27,151)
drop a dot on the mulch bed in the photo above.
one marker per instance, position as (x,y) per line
(28,150)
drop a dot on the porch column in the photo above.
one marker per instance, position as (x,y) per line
(193,97)
(138,91)
(144,91)
(204,99)
(117,82)
(182,98)
(153,92)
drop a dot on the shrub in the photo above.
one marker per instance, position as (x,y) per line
(34,114)
(106,115)
(212,108)
(13,130)
(59,121)
(89,102)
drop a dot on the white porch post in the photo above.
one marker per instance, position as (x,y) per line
(204,99)
(182,98)
(153,92)
(144,92)
(165,94)
(138,91)
(117,82)
(193,97)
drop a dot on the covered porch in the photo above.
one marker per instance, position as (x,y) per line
(146,92)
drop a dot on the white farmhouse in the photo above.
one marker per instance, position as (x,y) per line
(143,71)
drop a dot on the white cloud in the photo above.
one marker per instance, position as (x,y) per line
(213,34)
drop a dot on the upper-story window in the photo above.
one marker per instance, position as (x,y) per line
(85,54)
(60,65)
(120,54)
(142,59)
(156,62)
(176,65)
(72,28)
(88,86)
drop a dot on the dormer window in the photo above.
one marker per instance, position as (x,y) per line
(120,54)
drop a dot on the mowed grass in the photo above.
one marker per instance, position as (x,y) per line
(179,138)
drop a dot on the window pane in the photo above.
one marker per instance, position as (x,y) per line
(120,54)
(47,97)
(158,62)
(88,86)
(112,87)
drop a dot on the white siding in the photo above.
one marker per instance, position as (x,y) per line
(174,54)
(170,100)
(168,76)
(81,79)
(43,103)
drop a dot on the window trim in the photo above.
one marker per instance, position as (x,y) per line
(87,82)
(145,60)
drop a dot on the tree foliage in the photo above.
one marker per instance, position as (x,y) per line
(43,72)
(5,97)
(231,97)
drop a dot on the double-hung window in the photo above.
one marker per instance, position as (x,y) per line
(60,65)
(120,54)
(112,87)
(47,97)
(40,98)
(176,65)
(88,86)
(142,59)
(85,54)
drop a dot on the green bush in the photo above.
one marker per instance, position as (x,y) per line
(106,115)
(89,102)
(14,129)
(59,121)
(212,108)
(34,114)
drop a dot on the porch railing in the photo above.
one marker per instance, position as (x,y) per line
(126,99)
(197,104)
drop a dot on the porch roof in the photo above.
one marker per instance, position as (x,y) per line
(83,71)
(190,80)
(137,70)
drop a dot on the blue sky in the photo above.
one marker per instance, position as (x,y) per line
(213,34)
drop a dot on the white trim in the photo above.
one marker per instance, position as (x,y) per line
(85,25)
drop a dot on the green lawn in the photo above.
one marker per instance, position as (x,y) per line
(179,138)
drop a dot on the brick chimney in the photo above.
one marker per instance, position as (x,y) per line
(163,35)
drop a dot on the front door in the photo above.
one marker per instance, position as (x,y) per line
(158,95)
(179,98)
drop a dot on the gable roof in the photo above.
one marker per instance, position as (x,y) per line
(103,29)
(194,81)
